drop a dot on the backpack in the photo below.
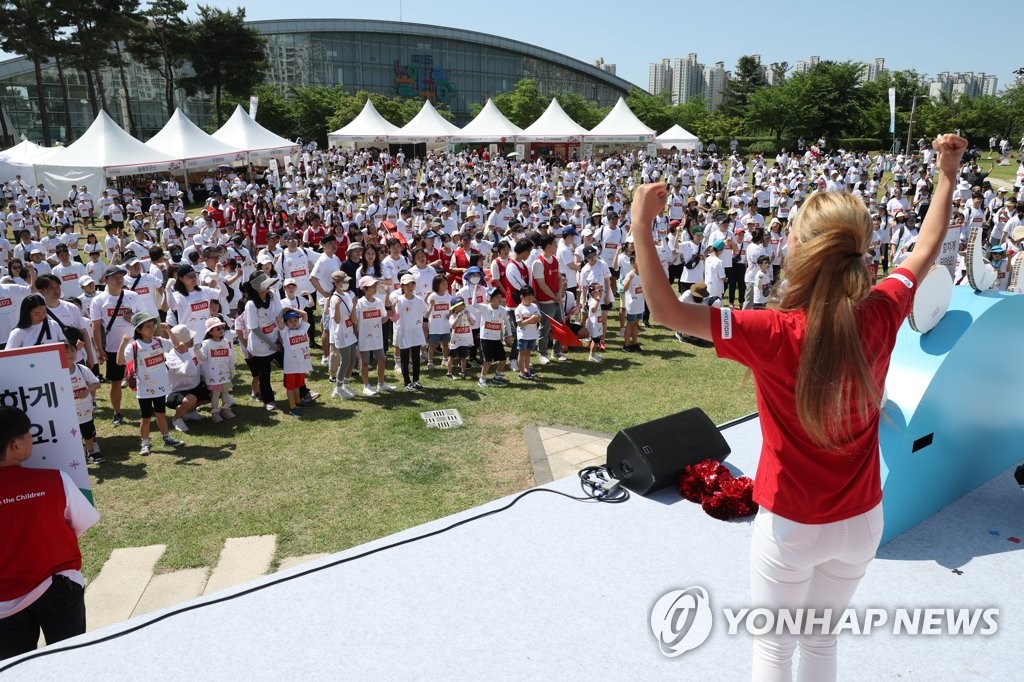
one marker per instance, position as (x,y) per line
(130,375)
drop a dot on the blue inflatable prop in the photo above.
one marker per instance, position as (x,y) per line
(954,418)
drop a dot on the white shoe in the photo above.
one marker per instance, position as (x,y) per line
(335,394)
(180,425)
(194,416)
(561,357)
(216,418)
(346,392)
(543,359)
(514,365)
(369,392)
(595,358)
(325,360)
(385,387)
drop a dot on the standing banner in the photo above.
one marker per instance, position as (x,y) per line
(892,110)
(521,150)
(37,380)
(950,252)
(254,103)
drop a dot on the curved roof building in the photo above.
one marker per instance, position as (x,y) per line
(450,66)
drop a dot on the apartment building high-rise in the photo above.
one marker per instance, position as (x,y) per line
(805,66)
(604,66)
(715,80)
(687,78)
(874,70)
(962,84)
(659,77)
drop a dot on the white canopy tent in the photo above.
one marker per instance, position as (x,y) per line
(680,138)
(490,125)
(368,126)
(554,125)
(183,139)
(243,133)
(620,126)
(104,150)
(427,126)
(18,161)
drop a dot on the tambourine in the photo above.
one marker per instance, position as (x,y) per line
(931,301)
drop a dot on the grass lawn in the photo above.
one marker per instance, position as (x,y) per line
(349,472)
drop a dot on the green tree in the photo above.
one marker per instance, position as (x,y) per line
(655,111)
(588,114)
(312,107)
(226,55)
(165,45)
(773,110)
(746,79)
(24,30)
(524,104)
(692,114)
(831,99)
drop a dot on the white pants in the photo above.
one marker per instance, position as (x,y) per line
(794,565)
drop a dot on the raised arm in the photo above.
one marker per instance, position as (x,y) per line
(688,318)
(933,229)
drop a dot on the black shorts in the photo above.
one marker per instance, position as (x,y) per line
(615,272)
(493,351)
(574,327)
(201,392)
(460,352)
(150,406)
(606,306)
(115,372)
(88,430)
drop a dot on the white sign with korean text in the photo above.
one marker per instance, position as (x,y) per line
(950,250)
(37,380)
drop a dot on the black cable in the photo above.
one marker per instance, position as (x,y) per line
(592,495)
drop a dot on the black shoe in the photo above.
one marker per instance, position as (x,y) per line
(94,459)
(118,419)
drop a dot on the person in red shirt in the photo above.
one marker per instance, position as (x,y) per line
(819,363)
(43,513)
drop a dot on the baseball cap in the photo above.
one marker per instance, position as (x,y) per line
(406,279)
(290,314)
(718,245)
(113,270)
(366,281)
(85,280)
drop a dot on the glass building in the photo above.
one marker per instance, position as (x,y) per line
(449,66)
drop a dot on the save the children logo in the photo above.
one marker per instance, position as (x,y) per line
(681,620)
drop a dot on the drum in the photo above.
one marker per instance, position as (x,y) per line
(932,299)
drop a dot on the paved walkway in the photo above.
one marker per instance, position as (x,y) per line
(127,585)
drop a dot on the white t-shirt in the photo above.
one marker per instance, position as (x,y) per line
(438,305)
(714,273)
(342,333)
(68,275)
(633,296)
(150,360)
(102,310)
(82,379)
(264,319)
(527,332)
(370,318)
(409,325)
(183,369)
(492,323)
(297,359)
(462,328)
(219,365)
(11,296)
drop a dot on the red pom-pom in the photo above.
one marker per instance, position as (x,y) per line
(740,493)
(702,479)
(718,506)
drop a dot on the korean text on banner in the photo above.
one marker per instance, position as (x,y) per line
(36,380)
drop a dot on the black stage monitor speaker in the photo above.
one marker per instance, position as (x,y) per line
(651,456)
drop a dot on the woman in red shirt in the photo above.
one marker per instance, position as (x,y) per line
(819,364)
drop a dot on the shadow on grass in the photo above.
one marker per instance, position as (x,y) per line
(121,459)
(187,454)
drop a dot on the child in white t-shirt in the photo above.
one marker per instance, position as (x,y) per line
(461,321)
(410,331)
(342,332)
(294,332)
(83,387)
(762,282)
(527,321)
(494,335)
(218,368)
(368,318)
(595,321)
(439,331)
(147,353)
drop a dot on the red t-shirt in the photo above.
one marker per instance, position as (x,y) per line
(796,478)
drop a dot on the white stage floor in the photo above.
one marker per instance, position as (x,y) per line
(554,589)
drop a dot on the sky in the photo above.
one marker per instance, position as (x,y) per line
(941,35)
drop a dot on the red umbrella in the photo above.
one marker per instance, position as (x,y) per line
(563,334)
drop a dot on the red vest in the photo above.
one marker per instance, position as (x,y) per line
(461,261)
(259,234)
(550,278)
(521,267)
(36,541)
(314,235)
